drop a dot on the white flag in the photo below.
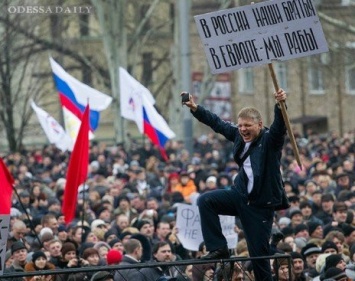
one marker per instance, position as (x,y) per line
(131,96)
(53,130)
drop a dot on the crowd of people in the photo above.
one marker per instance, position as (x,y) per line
(126,210)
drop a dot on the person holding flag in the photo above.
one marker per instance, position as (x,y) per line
(258,188)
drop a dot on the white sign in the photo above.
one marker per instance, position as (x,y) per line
(189,227)
(4,232)
(260,33)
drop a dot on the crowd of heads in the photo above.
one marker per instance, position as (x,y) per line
(128,204)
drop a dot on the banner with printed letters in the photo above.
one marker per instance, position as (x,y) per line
(260,33)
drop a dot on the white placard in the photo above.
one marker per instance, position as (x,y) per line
(189,227)
(4,233)
(260,33)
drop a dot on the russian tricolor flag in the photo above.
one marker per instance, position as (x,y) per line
(137,104)
(74,96)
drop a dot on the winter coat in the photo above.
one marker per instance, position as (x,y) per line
(265,157)
(30,267)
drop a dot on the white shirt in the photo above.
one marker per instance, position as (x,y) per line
(247,168)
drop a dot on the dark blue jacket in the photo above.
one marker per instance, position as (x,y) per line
(265,158)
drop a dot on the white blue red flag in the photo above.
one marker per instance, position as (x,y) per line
(74,97)
(137,104)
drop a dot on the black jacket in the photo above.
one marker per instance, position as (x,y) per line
(265,158)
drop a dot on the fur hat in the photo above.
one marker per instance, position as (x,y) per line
(67,247)
(113,257)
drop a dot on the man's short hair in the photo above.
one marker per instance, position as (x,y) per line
(131,245)
(250,112)
(339,206)
(158,245)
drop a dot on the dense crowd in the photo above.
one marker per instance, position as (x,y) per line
(126,210)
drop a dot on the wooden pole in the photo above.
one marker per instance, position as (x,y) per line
(285,116)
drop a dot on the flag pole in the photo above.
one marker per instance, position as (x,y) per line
(28,217)
(285,117)
(83,214)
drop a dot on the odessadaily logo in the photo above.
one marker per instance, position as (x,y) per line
(33,9)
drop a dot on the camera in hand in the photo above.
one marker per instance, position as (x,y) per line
(185,97)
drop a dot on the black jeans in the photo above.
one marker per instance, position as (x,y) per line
(257,223)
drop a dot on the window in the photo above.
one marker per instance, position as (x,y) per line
(280,69)
(315,75)
(246,81)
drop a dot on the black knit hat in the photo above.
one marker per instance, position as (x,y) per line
(334,273)
(300,227)
(329,244)
(312,226)
(332,261)
(296,255)
(38,254)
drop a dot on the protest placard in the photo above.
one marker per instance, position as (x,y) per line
(4,232)
(189,227)
(260,33)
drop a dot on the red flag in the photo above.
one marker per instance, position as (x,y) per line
(7,182)
(77,168)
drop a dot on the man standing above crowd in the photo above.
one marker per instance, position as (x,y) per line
(258,188)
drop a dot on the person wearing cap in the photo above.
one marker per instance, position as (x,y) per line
(310,252)
(114,257)
(334,260)
(336,274)
(301,230)
(326,211)
(307,212)
(298,266)
(133,254)
(296,217)
(342,182)
(329,247)
(19,254)
(39,262)
(258,190)
(315,229)
(186,186)
(124,207)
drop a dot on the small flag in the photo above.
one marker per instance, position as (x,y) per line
(137,104)
(53,130)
